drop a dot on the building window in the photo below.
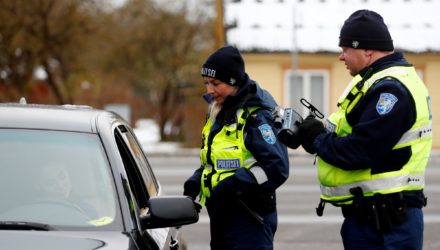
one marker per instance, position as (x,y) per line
(309,84)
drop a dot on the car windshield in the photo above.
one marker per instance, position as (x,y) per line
(56,178)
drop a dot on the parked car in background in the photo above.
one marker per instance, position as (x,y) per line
(74,177)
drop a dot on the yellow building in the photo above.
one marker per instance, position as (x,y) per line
(272,72)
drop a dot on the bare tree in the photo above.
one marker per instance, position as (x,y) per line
(59,28)
(47,34)
(138,51)
(163,49)
(16,55)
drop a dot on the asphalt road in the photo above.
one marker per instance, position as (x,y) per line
(299,227)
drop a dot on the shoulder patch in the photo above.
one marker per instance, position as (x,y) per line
(386,103)
(267,133)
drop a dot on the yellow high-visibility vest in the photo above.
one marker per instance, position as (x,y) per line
(336,182)
(227,152)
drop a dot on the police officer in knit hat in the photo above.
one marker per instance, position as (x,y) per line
(366,29)
(242,162)
(226,65)
(373,151)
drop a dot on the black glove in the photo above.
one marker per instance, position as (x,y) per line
(227,187)
(225,191)
(308,130)
(191,189)
(198,207)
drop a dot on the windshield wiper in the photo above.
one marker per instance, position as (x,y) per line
(23,225)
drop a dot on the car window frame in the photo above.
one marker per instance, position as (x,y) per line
(142,180)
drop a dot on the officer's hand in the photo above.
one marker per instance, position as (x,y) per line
(191,189)
(226,189)
(198,207)
(308,130)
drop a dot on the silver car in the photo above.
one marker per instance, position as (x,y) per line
(74,177)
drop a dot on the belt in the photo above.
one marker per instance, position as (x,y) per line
(414,199)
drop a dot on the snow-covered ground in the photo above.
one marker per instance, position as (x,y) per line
(148,133)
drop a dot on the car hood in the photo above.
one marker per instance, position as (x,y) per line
(66,240)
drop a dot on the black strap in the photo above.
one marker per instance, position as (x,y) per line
(320,208)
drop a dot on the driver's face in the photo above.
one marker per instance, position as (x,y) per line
(55,181)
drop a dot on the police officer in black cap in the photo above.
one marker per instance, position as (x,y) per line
(242,162)
(374,149)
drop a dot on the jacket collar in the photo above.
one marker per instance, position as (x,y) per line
(393,59)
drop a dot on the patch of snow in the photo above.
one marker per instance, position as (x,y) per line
(314,25)
(148,134)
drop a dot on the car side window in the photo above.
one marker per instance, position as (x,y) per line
(136,164)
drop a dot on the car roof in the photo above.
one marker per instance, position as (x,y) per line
(78,118)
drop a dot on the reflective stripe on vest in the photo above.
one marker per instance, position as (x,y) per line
(336,183)
(416,181)
(425,131)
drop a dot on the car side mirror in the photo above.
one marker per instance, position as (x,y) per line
(169,211)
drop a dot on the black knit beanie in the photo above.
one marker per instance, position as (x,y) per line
(365,29)
(226,65)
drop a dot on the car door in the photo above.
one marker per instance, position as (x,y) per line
(143,184)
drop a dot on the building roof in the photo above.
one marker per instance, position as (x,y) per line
(314,25)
